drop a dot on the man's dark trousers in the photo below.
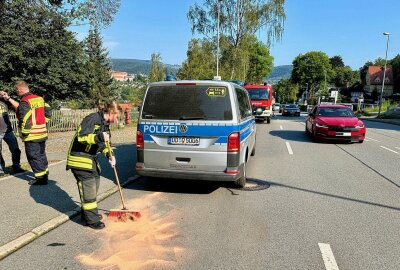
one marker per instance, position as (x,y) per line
(36,155)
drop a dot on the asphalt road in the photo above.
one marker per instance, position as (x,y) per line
(307,206)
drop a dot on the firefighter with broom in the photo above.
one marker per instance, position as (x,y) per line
(91,138)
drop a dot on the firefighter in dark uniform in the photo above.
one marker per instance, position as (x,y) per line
(88,142)
(33,113)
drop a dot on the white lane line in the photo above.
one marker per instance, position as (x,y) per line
(372,139)
(389,149)
(289,148)
(281,127)
(327,256)
(366,140)
(397,147)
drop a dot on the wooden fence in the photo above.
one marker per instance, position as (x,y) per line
(65,120)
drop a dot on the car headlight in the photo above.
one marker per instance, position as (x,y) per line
(321,125)
(360,126)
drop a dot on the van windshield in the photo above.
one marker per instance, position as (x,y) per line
(187,102)
(258,93)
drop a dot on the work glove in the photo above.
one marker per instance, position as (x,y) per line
(112,161)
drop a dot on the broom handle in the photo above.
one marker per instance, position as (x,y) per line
(116,177)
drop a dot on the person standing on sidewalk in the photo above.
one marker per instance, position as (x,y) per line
(7,134)
(89,140)
(32,113)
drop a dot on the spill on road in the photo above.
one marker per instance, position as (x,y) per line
(148,243)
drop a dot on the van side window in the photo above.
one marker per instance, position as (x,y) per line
(244,104)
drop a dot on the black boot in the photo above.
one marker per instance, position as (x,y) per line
(18,169)
(38,181)
(97,226)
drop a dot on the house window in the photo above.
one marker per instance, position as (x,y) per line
(387,80)
(377,80)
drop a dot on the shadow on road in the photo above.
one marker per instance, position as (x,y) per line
(291,135)
(53,196)
(174,185)
(275,184)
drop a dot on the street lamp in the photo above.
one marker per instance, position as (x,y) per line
(218,77)
(384,72)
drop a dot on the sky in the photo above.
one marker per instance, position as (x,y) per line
(352,29)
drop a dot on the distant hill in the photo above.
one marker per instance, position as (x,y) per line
(279,73)
(135,66)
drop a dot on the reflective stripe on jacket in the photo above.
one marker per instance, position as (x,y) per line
(86,144)
(32,122)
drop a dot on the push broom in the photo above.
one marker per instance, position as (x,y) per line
(124,214)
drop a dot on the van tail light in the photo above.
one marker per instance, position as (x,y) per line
(139,139)
(234,142)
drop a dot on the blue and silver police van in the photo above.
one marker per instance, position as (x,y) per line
(202,130)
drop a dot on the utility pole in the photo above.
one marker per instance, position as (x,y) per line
(384,73)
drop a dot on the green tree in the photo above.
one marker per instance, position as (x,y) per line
(157,71)
(336,61)
(35,46)
(239,19)
(314,69)
(260,62)
(98,69)
(344,76)
(286,91)
(395,63)
(200,61)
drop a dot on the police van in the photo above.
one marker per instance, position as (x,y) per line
(202,130)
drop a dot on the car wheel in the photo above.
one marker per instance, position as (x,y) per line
(361,141)
(241,182)
(268,120)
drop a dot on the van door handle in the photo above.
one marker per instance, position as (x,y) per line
(183,159)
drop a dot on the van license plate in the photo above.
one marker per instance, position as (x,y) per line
(184,140)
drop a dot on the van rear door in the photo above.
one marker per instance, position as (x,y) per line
(186,125)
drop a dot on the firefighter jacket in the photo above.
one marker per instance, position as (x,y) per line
(87,143)
(33,114)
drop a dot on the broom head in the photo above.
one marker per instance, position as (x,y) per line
(124,215)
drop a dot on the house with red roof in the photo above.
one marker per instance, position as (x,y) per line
(374,81)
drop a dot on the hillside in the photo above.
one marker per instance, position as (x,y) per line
(279,73)
(135,66)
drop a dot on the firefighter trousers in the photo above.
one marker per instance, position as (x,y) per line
(88,186)
(36,155)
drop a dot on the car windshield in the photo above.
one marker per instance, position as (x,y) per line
(335,112)
(258,93)
(187,102)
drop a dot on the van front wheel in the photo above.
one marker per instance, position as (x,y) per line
(241,182)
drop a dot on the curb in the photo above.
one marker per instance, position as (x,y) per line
(387,121)
(35,233)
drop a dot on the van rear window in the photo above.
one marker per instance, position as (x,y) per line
(187,102)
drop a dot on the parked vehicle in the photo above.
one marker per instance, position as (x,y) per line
(276,107)
(335,122)
(200,130)
(291,109)
(261,101)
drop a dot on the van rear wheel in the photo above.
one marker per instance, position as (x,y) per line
(241,182)
(268,120)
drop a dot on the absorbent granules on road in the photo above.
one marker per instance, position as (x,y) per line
(149,243)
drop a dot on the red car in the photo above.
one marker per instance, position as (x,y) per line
(335,122)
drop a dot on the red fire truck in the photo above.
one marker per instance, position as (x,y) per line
(261,100)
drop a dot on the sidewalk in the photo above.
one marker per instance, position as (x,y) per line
(30,211)
(388,121)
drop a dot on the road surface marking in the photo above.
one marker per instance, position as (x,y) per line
(289,148)
(389,149)
(327,256)
(366,140)
(372,139)
(397,147)
(281,127)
